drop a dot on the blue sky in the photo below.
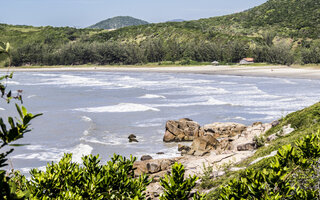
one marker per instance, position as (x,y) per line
(82,13)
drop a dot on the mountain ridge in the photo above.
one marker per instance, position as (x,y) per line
(118,22)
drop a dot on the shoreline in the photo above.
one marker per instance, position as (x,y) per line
(263,71)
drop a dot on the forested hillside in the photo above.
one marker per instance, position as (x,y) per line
(118,22)
(278,31)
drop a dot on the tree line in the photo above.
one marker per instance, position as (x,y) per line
(112,52)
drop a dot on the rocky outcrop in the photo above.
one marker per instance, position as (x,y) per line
(223,130)
(181,130)
(256,129)
(286,130)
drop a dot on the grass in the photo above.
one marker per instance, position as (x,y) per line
(304,122)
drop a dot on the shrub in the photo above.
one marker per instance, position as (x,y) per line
(69,180)
(176,186)
(292,174)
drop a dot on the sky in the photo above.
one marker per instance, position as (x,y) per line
(83,13)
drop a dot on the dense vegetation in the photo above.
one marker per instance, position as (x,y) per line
(118,22)
(278,31)
(292,174)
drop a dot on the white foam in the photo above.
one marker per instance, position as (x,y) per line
(42,156)
(26,170)
(289,82)
(152,96)
(228,83)
(13,83)
(86,132)
(209,102)
(2,109)
(86,119)
(236,118)
(119,108)
(110,139)
(34,147)
(73,80)
(45,75)
(31,96)
(143,125)
(79,151)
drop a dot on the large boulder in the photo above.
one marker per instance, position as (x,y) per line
(182,130)
(203,145)
(223,130)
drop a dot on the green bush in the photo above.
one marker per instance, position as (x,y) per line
(292,174)
(177,187)
(69,180)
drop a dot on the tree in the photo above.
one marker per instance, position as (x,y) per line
(9,135)
(5,50)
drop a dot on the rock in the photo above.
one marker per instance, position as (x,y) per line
(275,123)
(169,137)
(272,137)
(146,157)
(200,153)
(166,164)
(204,143)
(160,153)
(132,138)
(247,147)
(256,129)
(182,130)
(257,123)
(183,147)
(226,145)
(184,152)
(287,129)
(153,168)
(218,173)
(228,129)
(191,152)
(180,137)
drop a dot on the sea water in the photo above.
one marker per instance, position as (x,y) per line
(94,112)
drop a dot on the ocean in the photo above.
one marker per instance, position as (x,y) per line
(95,112)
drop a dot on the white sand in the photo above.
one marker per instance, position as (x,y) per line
(266,71)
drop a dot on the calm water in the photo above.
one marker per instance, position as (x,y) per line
(94,112)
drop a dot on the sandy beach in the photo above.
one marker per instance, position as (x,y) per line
(264,71)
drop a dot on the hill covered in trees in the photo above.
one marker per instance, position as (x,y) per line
(118,22)
(278,31)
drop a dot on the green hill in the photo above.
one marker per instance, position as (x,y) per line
(288,18)
(278,31)
(118,22)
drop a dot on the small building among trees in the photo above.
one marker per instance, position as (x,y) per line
(246,61)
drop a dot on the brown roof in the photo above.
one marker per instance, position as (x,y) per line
(249,59)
